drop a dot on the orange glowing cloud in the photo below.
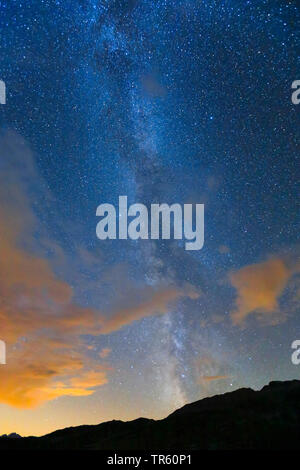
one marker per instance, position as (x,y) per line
(37,372)
(104,353)
(39,320)
(210,370)
(259,287)
(211,378)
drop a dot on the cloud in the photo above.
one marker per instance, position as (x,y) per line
(211,378)
(89,380)
(104,353)
(40,322)
(210,370)
(157,304)
(259,287)
(39,371)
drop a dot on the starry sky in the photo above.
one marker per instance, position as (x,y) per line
(175,101)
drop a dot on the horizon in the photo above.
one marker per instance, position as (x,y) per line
(149,418)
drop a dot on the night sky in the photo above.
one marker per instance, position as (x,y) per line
(165,101)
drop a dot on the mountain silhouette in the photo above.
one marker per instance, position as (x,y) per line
(242,419)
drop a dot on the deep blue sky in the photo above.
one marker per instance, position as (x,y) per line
(162,101)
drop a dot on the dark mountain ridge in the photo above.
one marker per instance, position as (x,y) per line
(242,419)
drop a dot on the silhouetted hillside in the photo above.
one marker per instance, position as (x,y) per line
(243,419)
